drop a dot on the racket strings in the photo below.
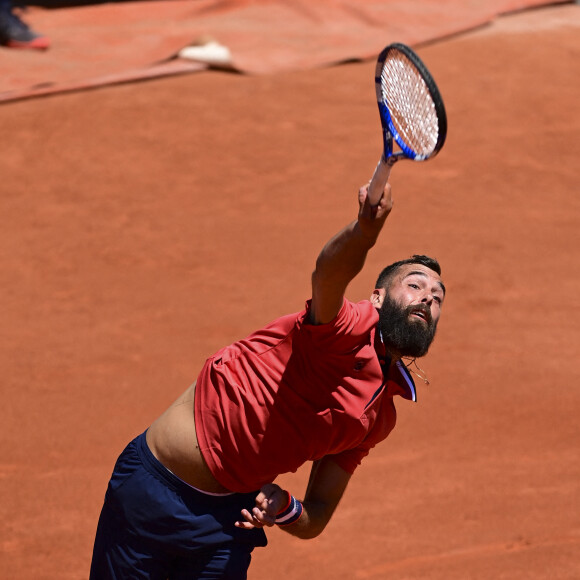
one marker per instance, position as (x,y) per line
(413,112)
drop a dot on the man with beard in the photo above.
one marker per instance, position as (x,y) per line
(189,498)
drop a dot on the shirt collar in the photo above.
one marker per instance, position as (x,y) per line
(398,378)
(402,382)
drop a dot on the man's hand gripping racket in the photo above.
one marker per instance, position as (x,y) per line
(412,113)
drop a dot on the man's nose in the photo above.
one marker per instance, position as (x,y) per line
(427,299)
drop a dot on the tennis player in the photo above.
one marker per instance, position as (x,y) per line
(189,498)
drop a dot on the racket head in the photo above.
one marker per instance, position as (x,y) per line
(410,105)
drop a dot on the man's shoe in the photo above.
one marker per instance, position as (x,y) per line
(16,34)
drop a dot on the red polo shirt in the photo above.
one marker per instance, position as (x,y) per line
(294,392)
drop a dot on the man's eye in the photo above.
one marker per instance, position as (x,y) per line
(414,286)
(437,299)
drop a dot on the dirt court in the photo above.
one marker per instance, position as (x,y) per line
(146,225)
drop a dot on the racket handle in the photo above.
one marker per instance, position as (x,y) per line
(379,180)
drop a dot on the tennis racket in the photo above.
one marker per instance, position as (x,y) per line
(412,113)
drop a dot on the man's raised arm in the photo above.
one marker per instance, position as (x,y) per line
(343,257)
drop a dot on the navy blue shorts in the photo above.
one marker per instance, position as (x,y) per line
(154,526)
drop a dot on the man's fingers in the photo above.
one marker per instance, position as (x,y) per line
(244,525)
(262,517)
(251,521)
(257,519)
(247,524)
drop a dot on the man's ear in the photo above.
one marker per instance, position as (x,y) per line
(378,296)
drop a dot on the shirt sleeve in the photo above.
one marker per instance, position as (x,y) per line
(345,332)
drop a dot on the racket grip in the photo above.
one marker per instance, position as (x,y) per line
(378,182)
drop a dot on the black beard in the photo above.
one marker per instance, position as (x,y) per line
(401,333)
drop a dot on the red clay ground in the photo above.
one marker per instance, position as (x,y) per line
(146,225)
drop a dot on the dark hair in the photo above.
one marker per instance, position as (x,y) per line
(385,276)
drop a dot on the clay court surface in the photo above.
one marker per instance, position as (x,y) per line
(146,225)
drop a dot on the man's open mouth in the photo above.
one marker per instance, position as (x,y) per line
(421,314)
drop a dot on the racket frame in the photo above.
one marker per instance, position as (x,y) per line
(390,133)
